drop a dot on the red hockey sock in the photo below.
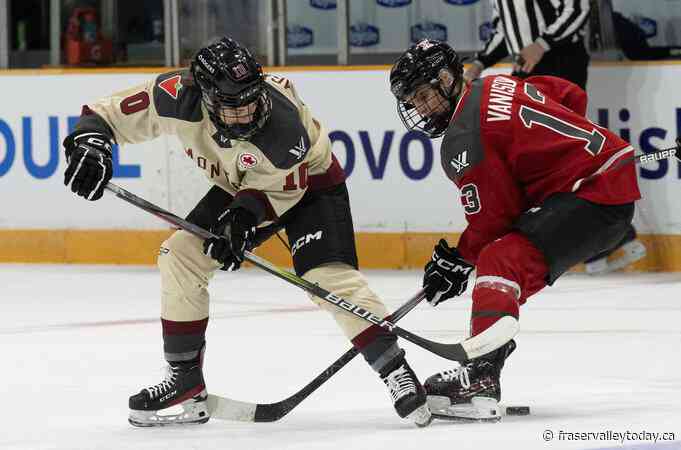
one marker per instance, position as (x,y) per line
(489,305)
(509,270)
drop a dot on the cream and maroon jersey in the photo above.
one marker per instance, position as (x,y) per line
(267,175)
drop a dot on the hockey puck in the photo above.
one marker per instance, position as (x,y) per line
(517,410)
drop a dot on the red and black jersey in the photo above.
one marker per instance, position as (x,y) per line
(512,143)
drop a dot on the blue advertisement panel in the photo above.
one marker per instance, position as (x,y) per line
(385,25)
(394,175)
(659,20)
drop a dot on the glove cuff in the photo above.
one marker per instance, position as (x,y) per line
(245,217)
(95,139)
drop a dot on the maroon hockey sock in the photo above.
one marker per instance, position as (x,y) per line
(182,341)
(376,345)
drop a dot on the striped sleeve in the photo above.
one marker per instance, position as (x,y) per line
(495,49)
(570,21)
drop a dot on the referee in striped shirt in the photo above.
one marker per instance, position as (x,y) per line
(545,37)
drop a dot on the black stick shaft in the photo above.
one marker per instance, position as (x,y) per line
(453,352)
(271,412)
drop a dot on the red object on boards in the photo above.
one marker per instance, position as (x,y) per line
(84,42)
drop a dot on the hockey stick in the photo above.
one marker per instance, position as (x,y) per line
(224,408)
(494,337)
(653,156)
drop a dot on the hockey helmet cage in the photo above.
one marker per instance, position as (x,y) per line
(419,65)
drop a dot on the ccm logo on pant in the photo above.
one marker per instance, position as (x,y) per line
(304,240)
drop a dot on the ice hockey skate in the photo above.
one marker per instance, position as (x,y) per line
(407,393)
(628,251)
(177,400)
(469,392)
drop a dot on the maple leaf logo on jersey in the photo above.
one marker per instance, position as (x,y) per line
(299,150)
(460,161)
(172,86)
(247,160)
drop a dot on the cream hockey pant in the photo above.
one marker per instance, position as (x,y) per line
(186,272)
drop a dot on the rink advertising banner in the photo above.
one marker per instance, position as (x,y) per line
(659,21)
(391,25)
(386,25)
(400,196)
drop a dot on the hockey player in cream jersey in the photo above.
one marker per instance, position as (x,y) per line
(271,167)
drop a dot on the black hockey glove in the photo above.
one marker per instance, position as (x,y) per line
(236,228)
(89,169)
(446,274)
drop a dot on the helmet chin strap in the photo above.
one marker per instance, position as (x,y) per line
(450,98)
(453,95)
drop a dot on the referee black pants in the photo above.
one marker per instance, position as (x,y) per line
(568,61)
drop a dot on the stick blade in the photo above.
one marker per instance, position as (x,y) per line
(492,338)
(227,409)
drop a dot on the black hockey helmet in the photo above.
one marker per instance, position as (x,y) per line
(421,65)
(230,77)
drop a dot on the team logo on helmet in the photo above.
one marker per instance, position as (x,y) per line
(425,44)
(239,70)
(172,86)
(247,160)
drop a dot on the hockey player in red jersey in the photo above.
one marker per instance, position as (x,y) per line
(541,189)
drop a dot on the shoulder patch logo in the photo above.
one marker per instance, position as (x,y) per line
(222,140)
(460,161)
(172,86)
(299,150)
(247,160)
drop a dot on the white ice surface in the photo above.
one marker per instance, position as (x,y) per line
(593,355)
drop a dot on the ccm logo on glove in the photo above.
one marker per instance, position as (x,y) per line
(451,266)
(90,167)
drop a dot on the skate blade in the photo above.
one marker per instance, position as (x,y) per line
(421,416)
(190,412)
(627,254)
(480,409)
